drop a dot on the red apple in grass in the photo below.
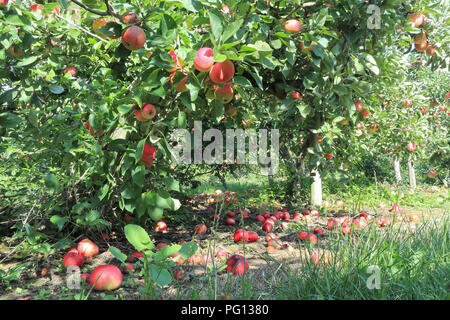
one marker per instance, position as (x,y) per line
(431,174)
(292,26)
(333,223)
(297,216)
(382,222)
(240,236)
(365,216)
(147,113)
(87,248)
(127,218)
(237,264)
(260,218)
(222,72)
(442,108)
(329,156)
(268,225)
(306,212)
(271,236)
(204,60)
(200,229)
(160,226)
(396,208)
(230,214)
(85,277)
(321,256)
(73,259)
(181,275)
(360,223)
(311,237)
(133,38)
(221,253)
(128,267)
(319,231)
(346,229)
(73,250)
(71,70)
(286,216)
(340,203)
(303,235)
(106,278)
(177,258)
(230,221)
(252,236)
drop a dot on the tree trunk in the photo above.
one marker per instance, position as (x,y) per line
(316,188)
(398,175)
(412,174)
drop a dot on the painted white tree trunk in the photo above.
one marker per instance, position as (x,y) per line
(316,188)
(398,175)
(412,174)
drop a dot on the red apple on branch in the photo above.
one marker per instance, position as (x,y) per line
(133,38)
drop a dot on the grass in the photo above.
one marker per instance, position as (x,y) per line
(411,263)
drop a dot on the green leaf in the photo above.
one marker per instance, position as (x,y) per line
(243,81)
(17,20)
(192,5)
(171,183)
(188,249)
(218,109)
(216,24)
(27,61)
(59,221)
(160,275)
(231,29)
(163,200)
(56,89)
(8,95)
(166,251)
(124,109)
(155,213)
(139,151)
(138,237)
(138,175)
(9,120)
(118,254)
(181,121)
(51,182)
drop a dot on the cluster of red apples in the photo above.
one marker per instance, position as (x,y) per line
(104,277)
